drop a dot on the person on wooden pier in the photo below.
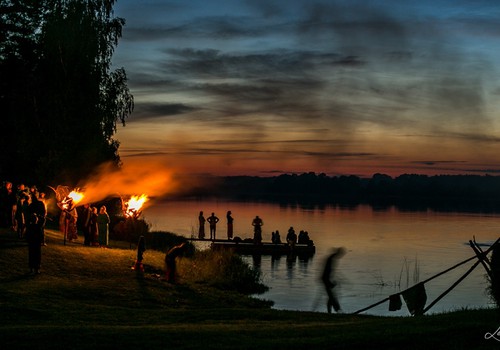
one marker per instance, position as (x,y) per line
(213,220)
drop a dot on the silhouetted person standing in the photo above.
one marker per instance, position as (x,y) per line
(291,237)
(275,237)
(201,230)
(328,279)
(103,221)
(229,225)
(213,220)
(34,233)
(257,224)
(93,227)
(86,215)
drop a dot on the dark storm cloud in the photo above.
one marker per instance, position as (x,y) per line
(436,162)
(482,138)
(270,142)
(359,28)
(465,136)
(204,27)
(320,69)
(273,63)
(337,155)
(354,37)
(152,110)
(285,147)
(282,82)
(149,81)
(217,150)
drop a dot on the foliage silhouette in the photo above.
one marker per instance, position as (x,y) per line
(61,102)
(461,193)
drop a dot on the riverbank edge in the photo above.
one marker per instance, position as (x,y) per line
(55,310)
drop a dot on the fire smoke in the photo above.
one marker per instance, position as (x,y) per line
(133,178)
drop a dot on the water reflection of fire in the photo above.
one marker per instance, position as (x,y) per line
(132,208)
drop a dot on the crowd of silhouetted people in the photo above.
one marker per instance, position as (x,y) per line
(24,210)
(17,206)
(94,223)
(291,238)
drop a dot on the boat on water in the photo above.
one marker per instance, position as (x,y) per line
(268,248)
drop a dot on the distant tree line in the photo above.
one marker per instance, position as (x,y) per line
(442,192)
(59,98)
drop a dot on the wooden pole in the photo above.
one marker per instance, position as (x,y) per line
(448,270)
(373,305)
(482,258)
(65,227)
(479,248)
(452,286)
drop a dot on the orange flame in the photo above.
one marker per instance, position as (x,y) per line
(71,200)
(76,196)
(132,208)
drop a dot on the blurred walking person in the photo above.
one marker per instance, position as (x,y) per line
(328,279)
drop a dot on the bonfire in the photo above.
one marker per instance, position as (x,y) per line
(132,208)
(132,227)
(68,200)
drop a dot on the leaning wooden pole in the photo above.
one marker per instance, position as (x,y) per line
(452,286)
(371,306)
(482,258)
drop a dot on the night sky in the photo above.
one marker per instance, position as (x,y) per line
(264,87)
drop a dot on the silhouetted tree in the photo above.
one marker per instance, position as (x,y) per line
(60,98)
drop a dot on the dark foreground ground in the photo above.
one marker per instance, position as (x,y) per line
(88,298)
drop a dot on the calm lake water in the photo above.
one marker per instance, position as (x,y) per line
(387,251)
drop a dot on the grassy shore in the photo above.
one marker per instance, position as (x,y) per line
(90,297)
